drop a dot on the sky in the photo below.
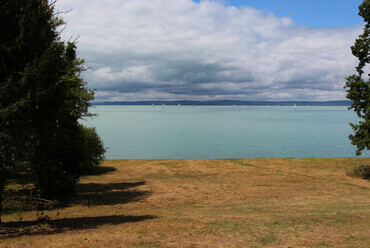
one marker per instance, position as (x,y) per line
(313,13)
(214,49)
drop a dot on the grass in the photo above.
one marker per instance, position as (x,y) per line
(206,203)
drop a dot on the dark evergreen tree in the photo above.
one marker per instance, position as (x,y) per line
(358,88)
(42,97)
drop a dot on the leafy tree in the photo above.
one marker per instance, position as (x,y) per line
(358,88)
(42,97)
(13,58)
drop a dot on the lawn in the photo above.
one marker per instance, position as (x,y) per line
(206,203)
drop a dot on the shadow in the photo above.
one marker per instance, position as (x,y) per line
(22,228)
(23,175)
(20,173)
(94,194)
(90,194)
(110,197)
(98,187)
(98,170)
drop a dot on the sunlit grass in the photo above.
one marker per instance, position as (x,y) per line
(207,203)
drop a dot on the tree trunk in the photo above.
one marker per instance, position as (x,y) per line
(44,179)
(2,185)
(40,162)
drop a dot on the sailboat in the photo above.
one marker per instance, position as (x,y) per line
(294,107)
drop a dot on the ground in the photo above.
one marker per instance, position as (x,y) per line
(206,203)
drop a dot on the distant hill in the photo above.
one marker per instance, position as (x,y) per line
(231,102)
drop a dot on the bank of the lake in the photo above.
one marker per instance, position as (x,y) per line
(206,203)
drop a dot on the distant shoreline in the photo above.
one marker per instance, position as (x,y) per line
(228,103)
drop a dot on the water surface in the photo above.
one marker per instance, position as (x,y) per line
(207,132)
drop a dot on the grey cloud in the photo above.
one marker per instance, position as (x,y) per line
(166,49)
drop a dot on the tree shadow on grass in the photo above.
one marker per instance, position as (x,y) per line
(90,194)
(99,187)
(22,228)
(94,194)
(23,175)
(98,170)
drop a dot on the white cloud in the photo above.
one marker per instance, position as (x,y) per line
(177,49)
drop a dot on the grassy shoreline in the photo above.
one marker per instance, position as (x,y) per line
(207,203)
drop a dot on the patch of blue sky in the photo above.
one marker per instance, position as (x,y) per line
(313,13)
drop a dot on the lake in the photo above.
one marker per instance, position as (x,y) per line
(216,132)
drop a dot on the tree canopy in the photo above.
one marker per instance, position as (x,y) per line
(42,97)
(358,88)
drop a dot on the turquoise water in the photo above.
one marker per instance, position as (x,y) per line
(145,132)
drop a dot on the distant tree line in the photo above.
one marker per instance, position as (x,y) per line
(229,103)
(42,97)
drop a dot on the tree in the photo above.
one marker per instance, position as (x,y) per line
(358,88)
(42,97)
(13,58)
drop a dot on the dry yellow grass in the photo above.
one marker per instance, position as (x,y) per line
(208,203)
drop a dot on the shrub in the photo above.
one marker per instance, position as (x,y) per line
(361,171)
(90,149)
(78,150)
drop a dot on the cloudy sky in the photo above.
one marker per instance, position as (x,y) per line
(213,50)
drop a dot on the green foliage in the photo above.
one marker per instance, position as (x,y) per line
(42,97)
(361,171)
(357,88)
(90,148)
(57,100)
